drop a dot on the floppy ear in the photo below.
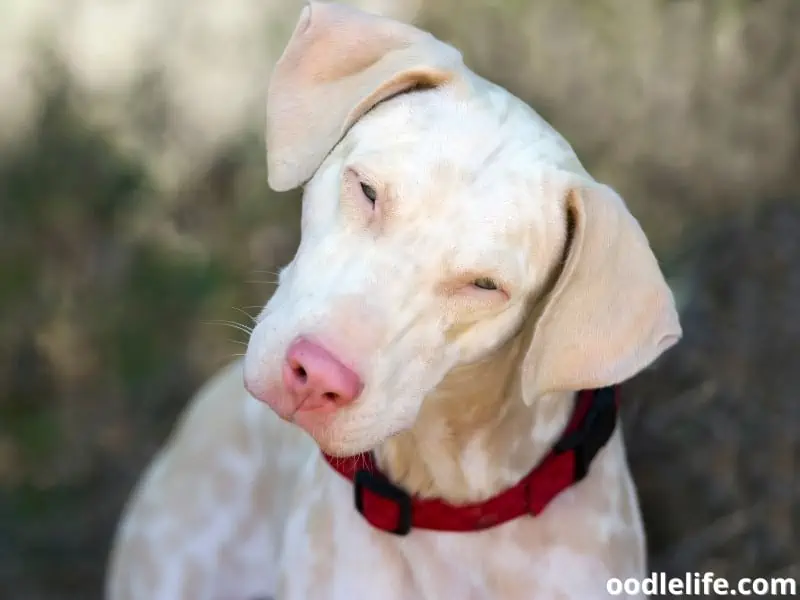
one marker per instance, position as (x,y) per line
(610,313)
(339,63)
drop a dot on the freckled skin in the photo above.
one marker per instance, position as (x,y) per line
(465,390)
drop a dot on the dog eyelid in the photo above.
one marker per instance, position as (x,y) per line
(480,287)
(486,283)
(369,192)
(366,185)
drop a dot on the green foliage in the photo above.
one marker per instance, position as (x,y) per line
(98,310)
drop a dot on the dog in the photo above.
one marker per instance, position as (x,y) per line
(427,405)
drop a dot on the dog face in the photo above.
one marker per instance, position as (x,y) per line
(432,218)
(422,241)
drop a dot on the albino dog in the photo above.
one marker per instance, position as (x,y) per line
(430,405)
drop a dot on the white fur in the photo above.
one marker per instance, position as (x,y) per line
(374,299)
(239,504)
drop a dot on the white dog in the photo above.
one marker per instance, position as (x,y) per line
(435,370)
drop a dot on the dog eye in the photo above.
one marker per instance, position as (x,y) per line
(484,283)
(369,192)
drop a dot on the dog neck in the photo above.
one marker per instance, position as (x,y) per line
(475,436)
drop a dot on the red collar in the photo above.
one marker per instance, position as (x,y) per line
(389,508)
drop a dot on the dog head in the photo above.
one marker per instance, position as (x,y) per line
(437,210)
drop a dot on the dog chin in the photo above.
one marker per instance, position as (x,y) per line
(347,450)
(334,442)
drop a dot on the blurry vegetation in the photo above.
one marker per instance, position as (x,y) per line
(106,329)
(119,250)
(713,431)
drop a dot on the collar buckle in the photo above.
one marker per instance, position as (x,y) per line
(382,487)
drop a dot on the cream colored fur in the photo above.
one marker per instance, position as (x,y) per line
(465,389)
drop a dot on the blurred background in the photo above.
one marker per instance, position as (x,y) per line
(135,214)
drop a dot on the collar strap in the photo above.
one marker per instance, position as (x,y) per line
(391,509)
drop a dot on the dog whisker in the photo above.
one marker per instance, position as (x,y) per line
(233,324)
(246,314)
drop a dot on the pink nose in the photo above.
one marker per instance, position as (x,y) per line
(315,378)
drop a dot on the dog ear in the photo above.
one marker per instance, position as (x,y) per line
(610,312)
(339,63)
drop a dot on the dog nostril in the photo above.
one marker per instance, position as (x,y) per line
(333,397)
(300,373)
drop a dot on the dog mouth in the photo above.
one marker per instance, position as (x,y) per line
(308,406)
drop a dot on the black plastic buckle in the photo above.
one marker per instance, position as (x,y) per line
(594,432)
(380,486)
